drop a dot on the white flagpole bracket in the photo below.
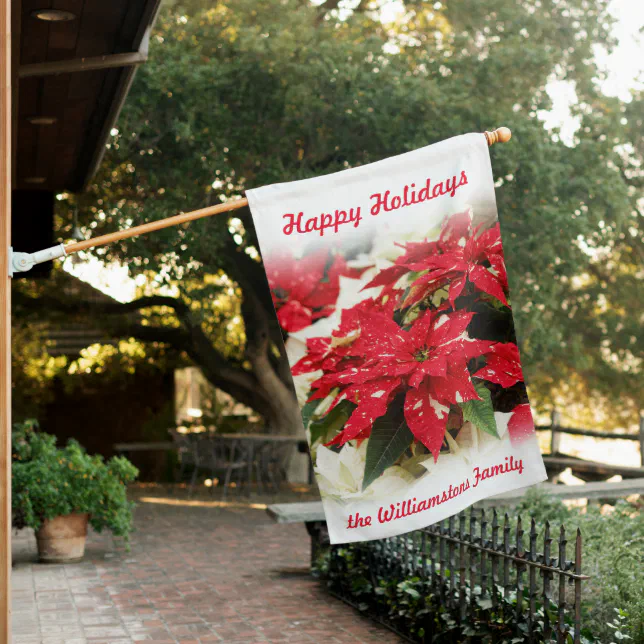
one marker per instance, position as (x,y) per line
(22,262)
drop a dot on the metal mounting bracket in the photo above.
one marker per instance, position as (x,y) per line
(22,262)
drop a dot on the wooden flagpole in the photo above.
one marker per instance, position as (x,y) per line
(5,322)
(502,135)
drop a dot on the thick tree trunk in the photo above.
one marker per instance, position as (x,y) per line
(269,396)
(285,417)
(285,411)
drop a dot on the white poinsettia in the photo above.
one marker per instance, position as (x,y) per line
(340,474)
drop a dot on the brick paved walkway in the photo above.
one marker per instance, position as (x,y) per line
(194,574)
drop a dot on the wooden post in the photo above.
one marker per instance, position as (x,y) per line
(5,321)
(555,437)
(642,438)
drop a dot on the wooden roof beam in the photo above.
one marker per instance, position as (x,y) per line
(90,63)
(82,64)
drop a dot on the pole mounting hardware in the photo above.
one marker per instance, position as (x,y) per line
(23,262)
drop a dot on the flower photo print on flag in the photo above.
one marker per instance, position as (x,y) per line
(390,288)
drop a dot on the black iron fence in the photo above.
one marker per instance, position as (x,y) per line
(476,568)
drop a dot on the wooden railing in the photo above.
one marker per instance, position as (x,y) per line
(557,430)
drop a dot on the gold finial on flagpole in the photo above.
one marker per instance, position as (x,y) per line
(500,135)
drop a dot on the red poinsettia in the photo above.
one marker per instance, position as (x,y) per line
(521,424)
(306,289)
(403,351)
(462,254)
(336,353)
(502,365)
(427,361)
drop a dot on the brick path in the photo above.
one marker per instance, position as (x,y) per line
(194,574)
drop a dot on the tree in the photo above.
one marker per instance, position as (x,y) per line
(249,93)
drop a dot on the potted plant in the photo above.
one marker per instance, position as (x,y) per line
(58,491)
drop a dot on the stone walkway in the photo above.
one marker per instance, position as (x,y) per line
(194,574)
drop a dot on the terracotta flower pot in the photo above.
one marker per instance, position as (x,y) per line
(62,539)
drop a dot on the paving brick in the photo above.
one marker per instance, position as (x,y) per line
(193,575)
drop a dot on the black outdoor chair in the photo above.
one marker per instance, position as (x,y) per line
(223,459)
(186,450)
(274,459)
(204,453)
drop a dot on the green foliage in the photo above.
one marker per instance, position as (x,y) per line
(386,445)
(243,94)
(32,368)
(308,409)
(612,604)
(613,557)
(542,508)
(415,608)
(48,482)
(330,424)
(480,412)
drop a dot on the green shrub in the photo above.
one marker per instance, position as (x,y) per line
(613,552)
(49,481)
(612,556)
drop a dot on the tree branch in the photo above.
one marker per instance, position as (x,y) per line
(257,309)
(167,335)
(69,305)
(241,385)
(191,339)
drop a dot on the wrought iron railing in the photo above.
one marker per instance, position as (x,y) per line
(478,564)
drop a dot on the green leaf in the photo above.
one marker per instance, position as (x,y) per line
(386,443)
(333,422)
(308,410)
(485,603)
(480,412)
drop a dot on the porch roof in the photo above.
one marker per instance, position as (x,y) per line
(72,64)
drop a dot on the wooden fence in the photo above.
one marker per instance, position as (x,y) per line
(557,430)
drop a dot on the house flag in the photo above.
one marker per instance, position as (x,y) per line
(391,290)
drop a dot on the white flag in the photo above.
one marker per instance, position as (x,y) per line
(390,287)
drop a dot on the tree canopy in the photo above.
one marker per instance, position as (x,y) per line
(242,94)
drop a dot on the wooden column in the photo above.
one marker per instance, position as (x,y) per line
(5,321)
